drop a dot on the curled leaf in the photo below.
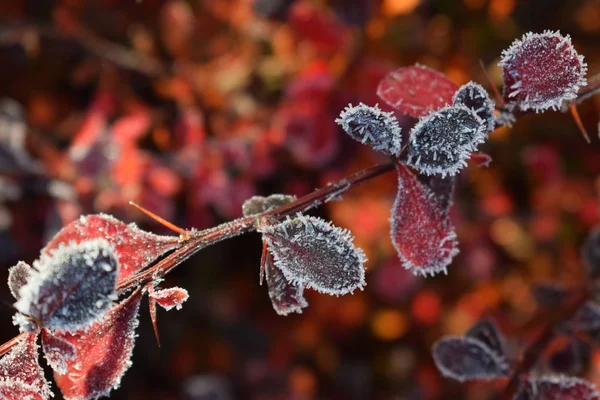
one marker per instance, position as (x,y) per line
(315,254)
(170,298)
(473,96)
(259,204)
(286,297)
(71,288)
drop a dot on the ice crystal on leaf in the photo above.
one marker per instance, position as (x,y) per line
(421,230)
(373,127)
(315,254)
(103,353)
(57,351)
(441,142)
(486,332)
(466,358)
(170,298)
(285,297)
(416,90)
(21,376)
(556,388)
(71,288)
(441,189)
(541,71)
(259,204)
(472,95)
(134,248)
(590,253)
(18,276)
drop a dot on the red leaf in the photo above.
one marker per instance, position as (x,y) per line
(103,353)
(135,248)
(481,159)
(421,230)
(416,90)
(21,376)
(317,26)
(171,297)
(557,388)
(57,351)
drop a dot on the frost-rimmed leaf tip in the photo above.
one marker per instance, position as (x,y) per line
(541,71)
(475,97)
(372,126)
(313,253)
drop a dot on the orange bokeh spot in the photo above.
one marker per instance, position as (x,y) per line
(389,325)
(426,307)
(399,7)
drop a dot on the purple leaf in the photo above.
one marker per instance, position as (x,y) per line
(315,254)
(18,276)
(441,142)
(556,388)
(466,359)
(285,296)
(486,332)
(373,127)
(541,71)
(71,288)
(421,230)
(472,95)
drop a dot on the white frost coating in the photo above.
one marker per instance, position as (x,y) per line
(557,387)
(170,298)
(541,71)
(313,253)
(372,126)
(465,358)
(475,97)
(259,204)
(71,288)
(441,142)
(57,352)
(18,276)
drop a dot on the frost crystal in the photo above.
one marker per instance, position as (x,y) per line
(21,376)
(416,90)
(441,142)
(541,71)
(371,126)
(466,359)
(57,351)
(259,204)
(472,95)
(285,296)
(486,332)
(421,230)
(170,298)
(556,388)
(315,254)
(103,353)
(71,288)
(590,253)
(18,277)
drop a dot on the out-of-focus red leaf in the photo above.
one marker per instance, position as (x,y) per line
(416,90)
(103,353)
(317,26)
(481,159)
(131,127)
(135,248)
(93,125)
(421,230)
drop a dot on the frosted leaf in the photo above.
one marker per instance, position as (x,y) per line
(590,253)
(170,298)
(421,231)
(135,249)
(441,189)
(17,277)
(71,288)
(373,127)
(285,296)
(21,373)
(315,254)
(472,95)
(481,159)
(541,71)
(486,332)
(416,90)
(558,387)
(548,294)
(441,142)
(57,351)
(467,359)
(587,318)
(103,353)
(259,204)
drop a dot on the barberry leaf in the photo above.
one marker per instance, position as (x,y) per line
(558,387)
(103,353)
(259,204)
(18,276)
(21,376)
(135,249)
(590,253)
(416,90)
(441,189)
(465,358)
(486,332)
(286,297)
(481,159)
(57,351)
(373,127)
(71,288)
(441,142)
(170,298)
(541,71)
(315,254)
(472,95)
(421,230)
